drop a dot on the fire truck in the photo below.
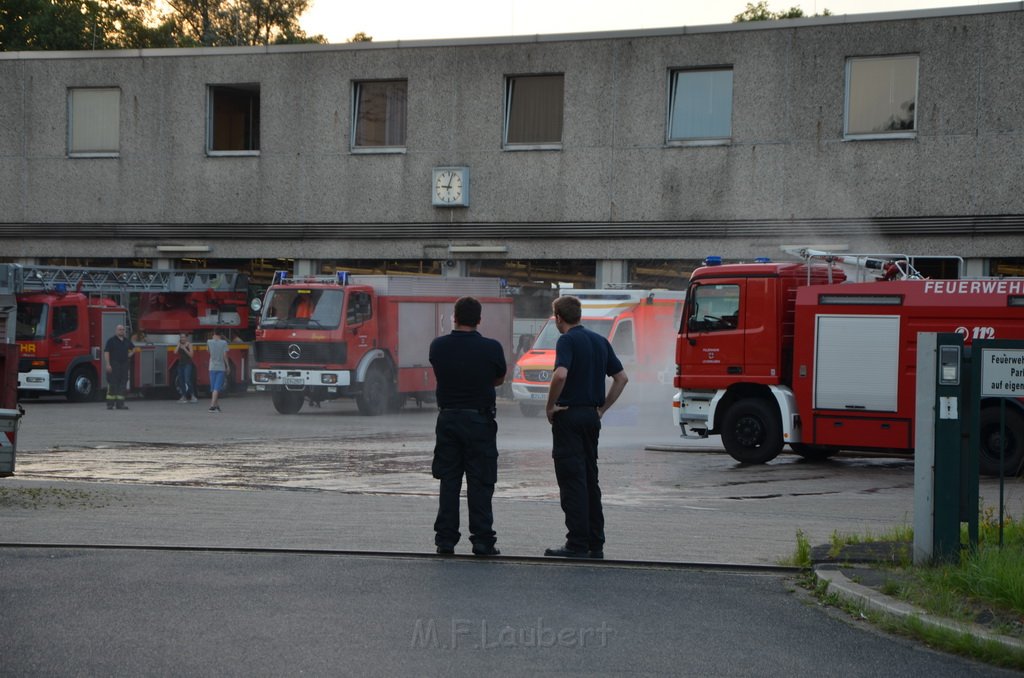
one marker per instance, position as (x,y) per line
(65,316)
(821,355)
(368,337)
(639,324)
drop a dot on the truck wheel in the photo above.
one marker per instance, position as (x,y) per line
(530,410)
(751,432)
(813,452)
(1012,444)
(287,402)
(83,385)
(378,392)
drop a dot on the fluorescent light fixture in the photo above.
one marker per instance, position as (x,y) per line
(477,249)
(182,248)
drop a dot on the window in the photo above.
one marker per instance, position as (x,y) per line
(713,308)
(65,320)
(881,97)
(94,120)
(234,119)
(533,110)
(700,105)
(360,308)
(380,115)
(622,342)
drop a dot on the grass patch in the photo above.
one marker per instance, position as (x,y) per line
(986,587)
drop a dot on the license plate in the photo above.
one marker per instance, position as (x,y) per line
(293,381)
(538,396)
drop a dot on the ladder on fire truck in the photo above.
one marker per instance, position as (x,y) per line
(868,267)
(125,280)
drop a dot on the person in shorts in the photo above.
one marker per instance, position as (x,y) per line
(217,347)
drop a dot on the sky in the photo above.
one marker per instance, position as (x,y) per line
(388,20)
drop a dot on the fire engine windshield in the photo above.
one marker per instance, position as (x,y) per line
(305,308)
(548,336)
(31,322)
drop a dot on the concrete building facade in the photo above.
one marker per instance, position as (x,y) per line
(899,132)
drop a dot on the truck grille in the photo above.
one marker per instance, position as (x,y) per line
(537,375)
(301,353)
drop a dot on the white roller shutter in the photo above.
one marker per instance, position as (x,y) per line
(856,362)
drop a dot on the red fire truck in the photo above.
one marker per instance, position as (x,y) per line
(824,359)
(367,337)
(65,316)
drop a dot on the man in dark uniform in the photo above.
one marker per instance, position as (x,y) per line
(576,403)
(468,366)
(115,360)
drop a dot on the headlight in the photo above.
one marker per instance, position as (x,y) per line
(517,372)
(328,379)
(261,377)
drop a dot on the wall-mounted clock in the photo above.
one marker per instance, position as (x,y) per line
(450,187)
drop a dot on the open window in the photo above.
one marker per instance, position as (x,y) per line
(533,111)
(380,115)
(233,122)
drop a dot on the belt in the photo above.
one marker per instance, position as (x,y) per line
(486,411)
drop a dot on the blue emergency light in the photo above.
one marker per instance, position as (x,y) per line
(279,277)
(762,260)
(713,260)
(342,277)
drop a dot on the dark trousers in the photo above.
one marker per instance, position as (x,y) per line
(575,434)
(117,383)
(466,444)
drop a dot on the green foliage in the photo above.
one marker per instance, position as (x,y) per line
(760,12)
(124,24)
(360,37)
(802,555)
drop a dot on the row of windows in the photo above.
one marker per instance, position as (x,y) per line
(881,100)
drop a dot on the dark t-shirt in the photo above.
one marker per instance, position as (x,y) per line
(118,350)
(589,358)
(466,365)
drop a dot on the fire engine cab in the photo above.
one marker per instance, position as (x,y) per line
(821,355)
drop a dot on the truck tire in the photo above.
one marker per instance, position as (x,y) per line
(83,385)
(1013,444)
(752,432)
(813,452)
(287,402)
(378,392)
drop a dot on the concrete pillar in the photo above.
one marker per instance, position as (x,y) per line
(305,267)
(976,267)
(611,273)
(455,268)
(163,264)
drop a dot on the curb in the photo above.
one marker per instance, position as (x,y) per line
(871,599)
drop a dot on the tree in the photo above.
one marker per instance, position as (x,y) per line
(215,23)
(760,12)
(119,24)
(360,37)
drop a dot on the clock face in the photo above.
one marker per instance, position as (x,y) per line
(451,187)
(448,186)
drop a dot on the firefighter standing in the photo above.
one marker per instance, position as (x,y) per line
(115,360)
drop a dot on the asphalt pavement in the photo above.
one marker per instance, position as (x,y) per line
(109,578)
